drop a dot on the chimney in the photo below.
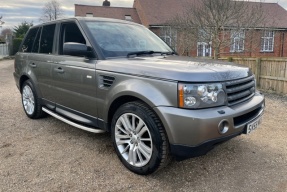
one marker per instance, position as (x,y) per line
(106,3)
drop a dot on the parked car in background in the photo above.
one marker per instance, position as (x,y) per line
(107,75)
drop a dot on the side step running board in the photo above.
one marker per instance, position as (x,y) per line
(72,123)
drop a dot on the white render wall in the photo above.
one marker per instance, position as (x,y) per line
(4,50)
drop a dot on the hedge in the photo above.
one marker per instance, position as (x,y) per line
(16,45)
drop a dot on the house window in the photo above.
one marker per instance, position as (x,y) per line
(237,41)
(203,49)
(267,41)
(89,15)
(128,18)
(169,35)
(204,43)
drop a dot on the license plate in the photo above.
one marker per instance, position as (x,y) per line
(253,125)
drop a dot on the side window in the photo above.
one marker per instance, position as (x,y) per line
(29,40)
(36,44)
(70,32)
(47,39)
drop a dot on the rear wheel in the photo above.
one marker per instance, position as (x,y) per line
(139,138)
(30,101)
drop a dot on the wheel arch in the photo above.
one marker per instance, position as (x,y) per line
(119,102)
(151,93)
(23,78)
(26,77)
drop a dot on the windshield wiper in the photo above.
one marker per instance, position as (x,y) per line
(138,53)
(168,53)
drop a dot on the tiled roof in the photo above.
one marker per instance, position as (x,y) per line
(107,12)
(276,16)
(158,12)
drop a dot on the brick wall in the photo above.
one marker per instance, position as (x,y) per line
(141,13)
(252,46)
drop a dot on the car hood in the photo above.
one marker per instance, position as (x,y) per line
(175,68)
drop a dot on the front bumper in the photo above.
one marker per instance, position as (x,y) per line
(198,130)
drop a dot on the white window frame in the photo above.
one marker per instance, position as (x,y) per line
(169,36)
(267,41)
(204,53)
(237,41)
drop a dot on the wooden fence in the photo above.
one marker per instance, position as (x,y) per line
(271,73)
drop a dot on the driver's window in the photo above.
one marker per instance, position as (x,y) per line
(71,33)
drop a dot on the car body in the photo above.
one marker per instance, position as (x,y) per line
(102,75)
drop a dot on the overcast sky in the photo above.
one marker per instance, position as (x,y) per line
(16,11)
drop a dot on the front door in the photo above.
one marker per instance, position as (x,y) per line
(75,84)
(74,80)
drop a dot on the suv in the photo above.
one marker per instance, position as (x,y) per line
(107,75)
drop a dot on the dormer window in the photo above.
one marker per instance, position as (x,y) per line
(128,18)
(89,15)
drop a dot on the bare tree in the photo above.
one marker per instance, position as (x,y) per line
(6,31)
(218,24)
(51,11)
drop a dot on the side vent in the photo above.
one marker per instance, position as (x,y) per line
(106,81)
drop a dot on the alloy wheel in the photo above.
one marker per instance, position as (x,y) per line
(133,139)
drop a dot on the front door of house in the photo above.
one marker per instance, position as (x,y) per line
(203,49)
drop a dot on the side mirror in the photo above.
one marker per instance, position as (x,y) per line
(75,49)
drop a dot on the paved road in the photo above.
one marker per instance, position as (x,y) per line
(48,155)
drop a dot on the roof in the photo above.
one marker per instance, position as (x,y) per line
(107,12)
(96,19)
(276,16)
(159,12)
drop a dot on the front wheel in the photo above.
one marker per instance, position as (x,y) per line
(139,138)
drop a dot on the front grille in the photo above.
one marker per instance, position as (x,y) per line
(240,90)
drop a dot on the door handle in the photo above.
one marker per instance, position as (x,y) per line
(59,70)
(33,65)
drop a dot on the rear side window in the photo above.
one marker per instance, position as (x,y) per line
(29,40)
(47,39)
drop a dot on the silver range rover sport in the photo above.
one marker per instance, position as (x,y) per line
(106,75)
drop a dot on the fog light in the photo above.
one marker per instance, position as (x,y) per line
(223,127)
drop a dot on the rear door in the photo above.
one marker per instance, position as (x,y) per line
(21,58)
(41,59)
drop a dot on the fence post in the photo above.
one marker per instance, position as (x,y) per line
(258,71)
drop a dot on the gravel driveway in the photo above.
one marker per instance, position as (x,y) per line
(48,155)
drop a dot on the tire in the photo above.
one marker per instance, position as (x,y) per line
(139,138)
(30,101)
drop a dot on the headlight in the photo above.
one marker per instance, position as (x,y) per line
(200,95)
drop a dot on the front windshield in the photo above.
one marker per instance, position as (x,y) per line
(121,39)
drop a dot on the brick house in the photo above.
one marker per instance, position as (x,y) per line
(155,14)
